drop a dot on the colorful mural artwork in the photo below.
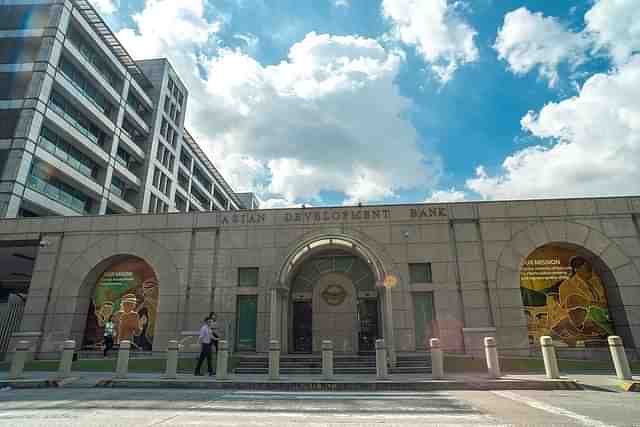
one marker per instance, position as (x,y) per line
(564,297)
(128,293)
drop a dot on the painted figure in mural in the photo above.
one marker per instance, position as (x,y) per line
(142,339)
(577,309)
(148,308)
(104,312)
(128,319)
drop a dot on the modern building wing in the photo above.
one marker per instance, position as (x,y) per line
(85,129)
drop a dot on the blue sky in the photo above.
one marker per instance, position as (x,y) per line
(330,102)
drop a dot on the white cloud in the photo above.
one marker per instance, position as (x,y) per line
(436,29)
(530,40)
(596,148)
(106,7)
(328,118)
(615,26)
(341,3)
(443,196)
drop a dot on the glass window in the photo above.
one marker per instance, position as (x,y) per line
(420,272)
(248,276)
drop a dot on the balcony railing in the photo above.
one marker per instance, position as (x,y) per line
(61,107)
(86,90)
(55,145)
(58,194)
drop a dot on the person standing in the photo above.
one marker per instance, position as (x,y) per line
(206,340)
(108,335)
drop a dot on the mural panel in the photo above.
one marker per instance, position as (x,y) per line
(128,293)
(564,297)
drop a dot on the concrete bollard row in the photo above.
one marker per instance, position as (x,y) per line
(549,357)
(437,359)
(381,360)
(274,360)
(68,349)
(619,356)
(327,359)
(222,360)
(171,370)
(491,353)
(17,364)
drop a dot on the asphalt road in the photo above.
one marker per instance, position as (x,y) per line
(164,407)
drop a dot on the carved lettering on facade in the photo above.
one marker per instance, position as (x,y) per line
(338,215)
(243,219)
(429,212)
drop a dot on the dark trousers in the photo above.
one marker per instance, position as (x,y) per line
(108,344)
(205,353)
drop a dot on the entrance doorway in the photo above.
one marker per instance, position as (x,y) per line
(247,322)
(302,327)
(424,316)
(368,317)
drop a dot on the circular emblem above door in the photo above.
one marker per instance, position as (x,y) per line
(334,294)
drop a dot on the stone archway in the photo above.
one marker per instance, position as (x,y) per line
(618,268)
(81,273)
(356,244)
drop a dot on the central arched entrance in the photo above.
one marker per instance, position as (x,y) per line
(333,296)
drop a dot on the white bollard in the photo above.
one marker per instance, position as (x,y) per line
(620,361)
(222,360)
(437,360)
(19,357)
(491,352)
(327,359)
(549,357)
(122,367)
(171,370)
(274,359)
(66,360)
(381,360)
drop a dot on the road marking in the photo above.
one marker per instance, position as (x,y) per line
(587,421)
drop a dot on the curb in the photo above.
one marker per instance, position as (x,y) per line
(443,385)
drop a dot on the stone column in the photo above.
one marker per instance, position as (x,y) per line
(381,360)
(389,327)
(122,367)
(491,353)
(549,356)
(67,359)
(274,359)
(620,361)
(222,360)
(437,360)
(274,318)
(19,357)
(171,371)
(327,359)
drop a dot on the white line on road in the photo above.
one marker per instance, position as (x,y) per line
(587,421)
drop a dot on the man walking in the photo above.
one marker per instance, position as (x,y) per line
(206,339)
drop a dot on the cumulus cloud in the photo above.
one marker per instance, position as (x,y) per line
(436,29)
(615,27)
(444,196)
(595,146)
(327,118)
(106,7)
(530,40)
(341,3)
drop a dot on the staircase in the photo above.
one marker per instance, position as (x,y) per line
(311,364)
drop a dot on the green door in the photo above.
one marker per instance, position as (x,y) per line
(247,316)
(424,317)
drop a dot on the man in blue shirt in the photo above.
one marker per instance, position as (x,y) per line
(206,339)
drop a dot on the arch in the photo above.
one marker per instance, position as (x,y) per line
(80,274)
(615,264)
(359,245)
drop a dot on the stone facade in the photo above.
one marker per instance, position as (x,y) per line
(475,250)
